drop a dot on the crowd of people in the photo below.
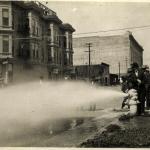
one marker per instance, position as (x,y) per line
(138,78)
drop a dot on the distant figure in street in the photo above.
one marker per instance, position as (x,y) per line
(41,79)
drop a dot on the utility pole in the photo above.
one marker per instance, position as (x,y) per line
(89,45)
(126,60)
(119,69)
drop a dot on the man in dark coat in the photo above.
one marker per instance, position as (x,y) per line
(136,80)
(132,79)
(147,86)
(142,91)
(141,78)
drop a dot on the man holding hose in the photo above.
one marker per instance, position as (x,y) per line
(136,80)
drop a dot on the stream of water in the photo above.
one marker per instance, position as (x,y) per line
(35,107)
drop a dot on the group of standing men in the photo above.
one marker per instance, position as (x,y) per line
(139,79)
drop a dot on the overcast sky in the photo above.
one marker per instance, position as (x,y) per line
(96,16)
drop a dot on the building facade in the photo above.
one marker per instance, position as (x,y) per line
(98,73)
(34,42)
(119,51)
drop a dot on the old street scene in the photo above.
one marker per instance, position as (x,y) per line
(74,74)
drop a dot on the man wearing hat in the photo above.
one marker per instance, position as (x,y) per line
(133,75)
(147,84)
(137,79)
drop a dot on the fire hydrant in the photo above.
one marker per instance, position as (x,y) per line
(132,101)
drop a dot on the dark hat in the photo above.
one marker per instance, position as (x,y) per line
(124,77)
(145,67)
(134,65)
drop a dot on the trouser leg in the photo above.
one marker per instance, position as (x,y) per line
(123,103)
(142,100)
(141,105)
(148,98)
(139,108)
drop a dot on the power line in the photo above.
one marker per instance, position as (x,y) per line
(118,29)
(61,35)
(126,61)
(109,30)
(119,69)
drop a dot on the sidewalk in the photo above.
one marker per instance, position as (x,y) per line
(93,122)
(133,133)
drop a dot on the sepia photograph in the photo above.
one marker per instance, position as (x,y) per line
(74,74)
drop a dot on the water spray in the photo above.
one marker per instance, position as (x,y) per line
(29,105)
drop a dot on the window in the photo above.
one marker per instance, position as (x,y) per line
(33,27)
(5,43)
(27,23)
(64,42)
(5,16)
(12,49)
(49,35)
(37,50)
(60,42)
(36,28)
(42,55)
(50,50)
(49,32)
(10,67)
(55,56)
(0,70)
(57,37)
(33,49)
(71,45)
(37,31)
(13,20)
(33,53)
(37,54)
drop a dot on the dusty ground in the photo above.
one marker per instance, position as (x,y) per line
(131,133)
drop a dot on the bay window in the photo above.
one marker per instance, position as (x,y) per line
(5,43)
(5,17)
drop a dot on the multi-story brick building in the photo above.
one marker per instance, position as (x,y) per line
(119,51)
(33,41)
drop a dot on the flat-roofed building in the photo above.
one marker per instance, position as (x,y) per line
(119,51)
